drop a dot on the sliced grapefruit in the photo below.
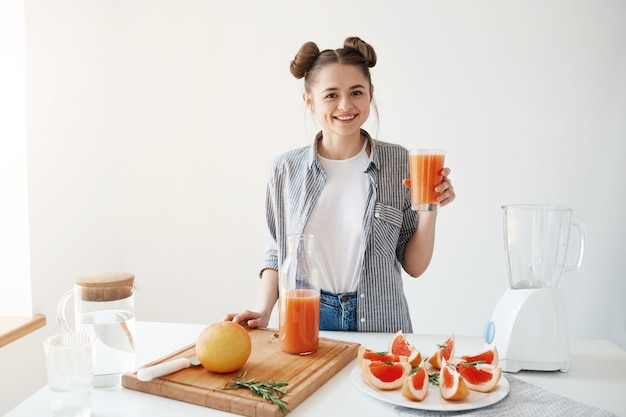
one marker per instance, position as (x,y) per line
(415,386)
(369,354)
(481,377)
(451,384)
(385,375)
(400,346)
(489,356)
(444,351)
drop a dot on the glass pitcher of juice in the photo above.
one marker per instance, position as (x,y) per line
(299,300)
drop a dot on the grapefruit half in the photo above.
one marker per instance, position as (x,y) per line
(401,346)
(444,351)
(365,353)
(481,377)
(451,384)
(415,386)
(385,375)
(489,356)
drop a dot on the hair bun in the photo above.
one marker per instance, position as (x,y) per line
(365,49)
(304,59)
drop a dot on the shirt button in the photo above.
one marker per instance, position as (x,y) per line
(362,319)
(377,215)
(362,295)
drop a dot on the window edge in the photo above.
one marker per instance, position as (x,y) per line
(13,328)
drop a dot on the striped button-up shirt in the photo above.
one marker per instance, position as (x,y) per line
(295,182)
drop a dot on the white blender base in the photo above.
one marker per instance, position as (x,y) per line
(530,329)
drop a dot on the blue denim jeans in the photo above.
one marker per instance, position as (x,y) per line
(338,311)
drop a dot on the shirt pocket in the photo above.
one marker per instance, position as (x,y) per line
(387,225)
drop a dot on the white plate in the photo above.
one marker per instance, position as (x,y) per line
(433,400)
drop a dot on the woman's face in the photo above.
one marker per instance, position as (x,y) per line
(340,100)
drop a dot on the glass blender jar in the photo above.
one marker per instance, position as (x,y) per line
(529,325)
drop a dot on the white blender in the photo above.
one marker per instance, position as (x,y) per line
(529,325)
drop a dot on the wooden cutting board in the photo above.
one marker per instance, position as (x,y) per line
(304,374)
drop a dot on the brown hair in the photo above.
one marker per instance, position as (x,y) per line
(309,60)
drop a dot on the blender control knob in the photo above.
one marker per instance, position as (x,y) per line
(489,332)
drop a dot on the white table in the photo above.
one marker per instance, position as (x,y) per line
(597,377)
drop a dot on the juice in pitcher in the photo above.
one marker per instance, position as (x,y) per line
(299,318)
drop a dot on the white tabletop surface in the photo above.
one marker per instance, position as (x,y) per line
(597,377)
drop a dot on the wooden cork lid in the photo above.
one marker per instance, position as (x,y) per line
(106,286)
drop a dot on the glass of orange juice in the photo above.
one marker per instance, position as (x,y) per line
(425,167)
(299,298)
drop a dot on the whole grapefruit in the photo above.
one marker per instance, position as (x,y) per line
(223,347)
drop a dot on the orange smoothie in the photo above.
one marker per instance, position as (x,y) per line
(425,173)
(299,321)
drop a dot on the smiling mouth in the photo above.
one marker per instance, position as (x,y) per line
(346,118)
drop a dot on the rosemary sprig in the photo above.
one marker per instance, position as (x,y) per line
(474,363)
(269,391)
(415,369)
(433,378)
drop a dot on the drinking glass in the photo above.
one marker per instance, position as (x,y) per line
(425,167)
(70,369)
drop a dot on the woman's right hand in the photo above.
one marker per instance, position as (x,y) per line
(249,318)
(266,300)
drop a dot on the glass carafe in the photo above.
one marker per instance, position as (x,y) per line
(104,305)
(299,298)
(536,239)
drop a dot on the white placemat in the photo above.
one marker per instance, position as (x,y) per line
(523,400)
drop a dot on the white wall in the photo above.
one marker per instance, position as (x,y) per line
(15,289)
(151,126)
(15,282)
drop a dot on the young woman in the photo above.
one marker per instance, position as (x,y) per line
(350,191)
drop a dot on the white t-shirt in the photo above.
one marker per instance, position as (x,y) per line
(337,221)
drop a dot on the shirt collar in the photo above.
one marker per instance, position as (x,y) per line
(313,155)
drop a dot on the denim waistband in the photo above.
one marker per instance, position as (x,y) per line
(340,297)
(338,311)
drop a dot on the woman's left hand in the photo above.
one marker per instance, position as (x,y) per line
(445,190)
